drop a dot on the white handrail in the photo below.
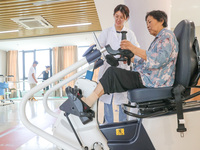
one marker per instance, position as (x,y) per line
(53,79)
(57,86)
(22,112)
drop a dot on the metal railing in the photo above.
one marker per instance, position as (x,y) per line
(22,111)
(58,76)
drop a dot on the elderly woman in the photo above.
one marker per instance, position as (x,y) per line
(156,68)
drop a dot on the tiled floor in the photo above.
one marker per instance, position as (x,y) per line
(13,134)
(38,143)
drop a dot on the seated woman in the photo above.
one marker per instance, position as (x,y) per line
(156,68)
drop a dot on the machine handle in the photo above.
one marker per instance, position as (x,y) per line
(123,35)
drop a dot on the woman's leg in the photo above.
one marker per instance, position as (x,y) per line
(117,80)
(114,80)
(98,92)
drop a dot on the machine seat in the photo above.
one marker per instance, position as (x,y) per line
(187,73)
(149,94)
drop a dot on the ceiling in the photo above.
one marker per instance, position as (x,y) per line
(57,12)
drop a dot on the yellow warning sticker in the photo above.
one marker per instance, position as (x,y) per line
(120,131)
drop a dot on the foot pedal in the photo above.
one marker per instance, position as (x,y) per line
(74,105)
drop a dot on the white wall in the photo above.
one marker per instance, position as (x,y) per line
(105,11)
(198,33)
(137,23)
(2,63)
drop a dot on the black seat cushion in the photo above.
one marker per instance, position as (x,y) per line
(149,94)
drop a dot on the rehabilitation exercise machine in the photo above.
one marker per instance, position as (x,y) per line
(165,119)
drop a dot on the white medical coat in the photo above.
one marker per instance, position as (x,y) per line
(111,37)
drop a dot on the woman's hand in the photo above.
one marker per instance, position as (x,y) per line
(126,45)
(135,50)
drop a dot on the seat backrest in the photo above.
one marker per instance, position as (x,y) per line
(187,65)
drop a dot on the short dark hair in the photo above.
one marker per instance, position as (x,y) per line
(35,62)
(47,66)
(123,9)
(159,15)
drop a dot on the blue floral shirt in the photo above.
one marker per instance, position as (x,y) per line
(159,68)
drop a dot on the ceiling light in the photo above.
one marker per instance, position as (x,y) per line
(48,2)
(9,31)
(71,25)
(83,2)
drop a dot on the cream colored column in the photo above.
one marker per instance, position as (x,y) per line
(138,10)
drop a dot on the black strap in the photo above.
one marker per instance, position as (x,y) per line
(179,108)
(196,47)
(71,125)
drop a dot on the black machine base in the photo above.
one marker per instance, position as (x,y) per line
(127,136)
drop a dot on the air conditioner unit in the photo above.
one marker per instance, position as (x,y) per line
(32,22)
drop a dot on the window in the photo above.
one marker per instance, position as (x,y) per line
(43,59)
(81,51)
(26,59)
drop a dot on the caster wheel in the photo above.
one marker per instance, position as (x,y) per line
(86,148)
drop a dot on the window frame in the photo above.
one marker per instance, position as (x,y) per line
(24,78)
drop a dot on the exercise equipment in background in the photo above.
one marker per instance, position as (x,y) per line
(4,90)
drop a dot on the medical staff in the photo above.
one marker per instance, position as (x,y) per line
(112,36)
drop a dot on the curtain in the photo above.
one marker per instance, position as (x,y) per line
(64,57)
(12,69)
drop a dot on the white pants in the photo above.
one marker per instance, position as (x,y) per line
(32,85)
